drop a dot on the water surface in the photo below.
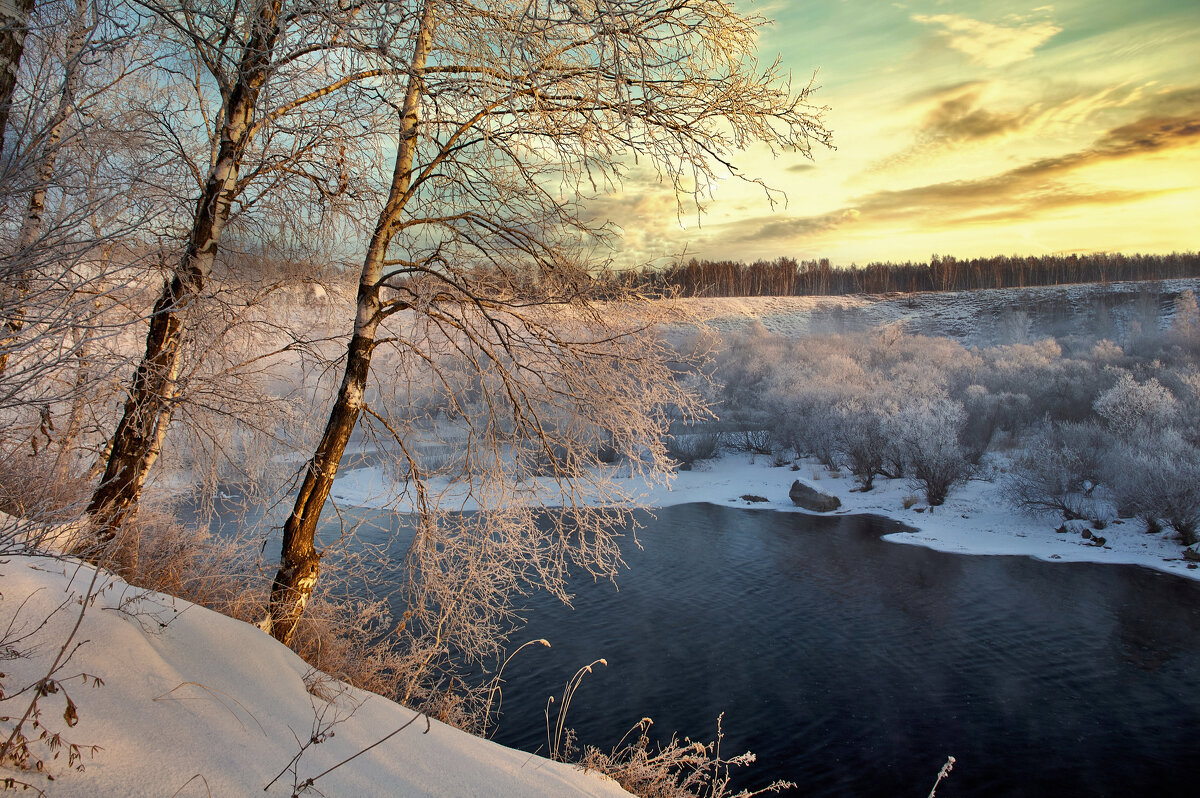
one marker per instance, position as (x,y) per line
(853,666)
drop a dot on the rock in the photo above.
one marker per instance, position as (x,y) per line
(1086,534)
(1191,555)
(750,497)
(810,498)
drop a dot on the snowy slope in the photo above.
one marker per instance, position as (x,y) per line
(197,704)
(970,317)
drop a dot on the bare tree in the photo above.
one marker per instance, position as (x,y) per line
(258,141)
(14,27)
(510,116)
(65,276)
(82,23)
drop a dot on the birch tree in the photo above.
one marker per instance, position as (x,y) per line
(14,27)
(82,22)
(509,117)
(257,142)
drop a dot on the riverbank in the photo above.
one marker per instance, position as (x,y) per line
(976,518)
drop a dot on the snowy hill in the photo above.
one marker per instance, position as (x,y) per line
(970,317)
(196,704)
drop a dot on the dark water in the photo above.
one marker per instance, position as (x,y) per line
(853,666)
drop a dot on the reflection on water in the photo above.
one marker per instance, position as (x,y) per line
(854,667)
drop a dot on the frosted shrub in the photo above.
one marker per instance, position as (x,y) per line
(686,448)
(983,416)
(1062,388)
(675,770)
(1187,391)
(1158,476)
(1185,325)
(1105,351)
(1130,407)
(753,441)
(930,428)
(864,436)
(748,364)
(1060,470)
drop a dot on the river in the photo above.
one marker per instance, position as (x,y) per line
(854,666)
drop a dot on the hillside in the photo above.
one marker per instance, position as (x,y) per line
(970,317)
(196,704)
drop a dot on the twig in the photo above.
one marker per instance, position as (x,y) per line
(200,776)
(215,694)
(59,661)
(310,781)
(943,773)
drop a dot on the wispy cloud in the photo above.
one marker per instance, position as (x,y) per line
(1016,194)
(978,111)
(960,116)
(775,229)
(989,44)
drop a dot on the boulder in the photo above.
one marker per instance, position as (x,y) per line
(810,498)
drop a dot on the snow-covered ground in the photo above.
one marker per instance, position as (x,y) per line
(197,704)
(970,317)
(976,518)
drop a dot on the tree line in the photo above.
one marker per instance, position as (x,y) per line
(789,277)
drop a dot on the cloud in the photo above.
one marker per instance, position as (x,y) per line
(954,116)
(958,116)
(1016,194)
(800,168)
(962,114)
(771,228)
(988,44)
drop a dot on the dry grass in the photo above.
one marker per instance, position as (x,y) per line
(677,770)
(155,551)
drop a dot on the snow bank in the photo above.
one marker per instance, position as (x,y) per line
(976,518)
(197,704)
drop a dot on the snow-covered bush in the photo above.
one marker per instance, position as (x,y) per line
(899,405)
(864,435)
(1185,325)
(752,441)
(1130,408)
(1158,476)
(1060,469)
(929,431)
(686,448)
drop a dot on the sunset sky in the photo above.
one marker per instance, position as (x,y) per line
(963,127)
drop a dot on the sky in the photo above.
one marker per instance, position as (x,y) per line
(961,127)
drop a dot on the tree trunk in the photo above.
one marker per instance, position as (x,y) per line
(299,561)
(14,25)
(31,225)
(138,440)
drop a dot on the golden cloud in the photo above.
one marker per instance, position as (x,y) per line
(1016,194)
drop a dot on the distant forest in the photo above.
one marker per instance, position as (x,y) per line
(788,277)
